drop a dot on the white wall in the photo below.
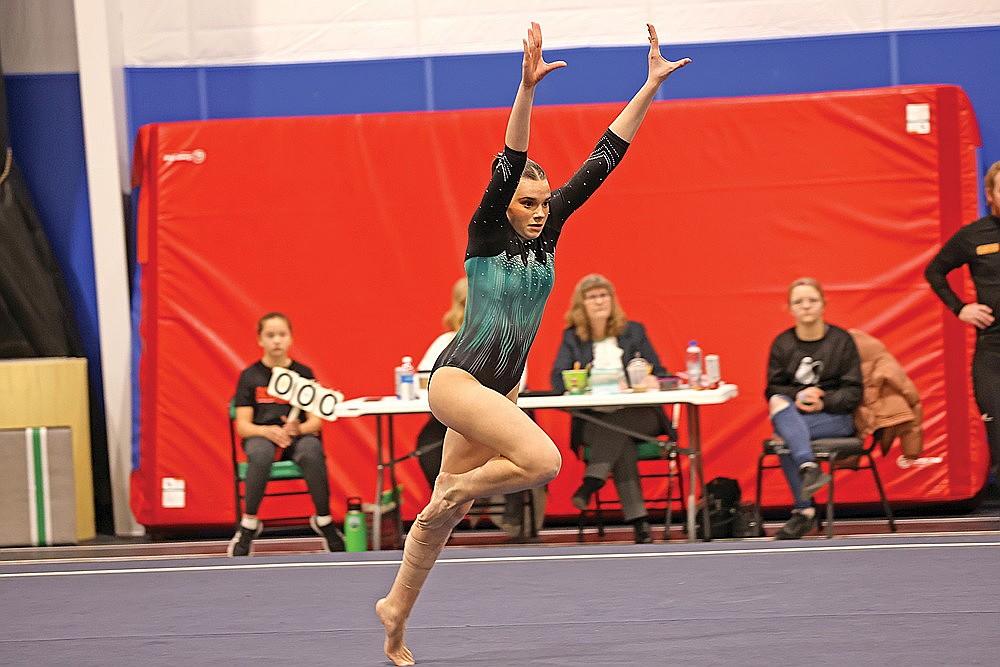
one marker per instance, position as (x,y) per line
(37,35)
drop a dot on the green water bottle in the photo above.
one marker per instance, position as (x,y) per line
(355,529)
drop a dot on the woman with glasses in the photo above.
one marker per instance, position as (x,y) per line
(598,328)
(813,387)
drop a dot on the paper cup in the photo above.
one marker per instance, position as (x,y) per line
(575,381)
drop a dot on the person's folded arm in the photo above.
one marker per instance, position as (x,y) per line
(778,381)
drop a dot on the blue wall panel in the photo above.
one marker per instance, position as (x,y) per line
(474,82)
(594,75)
(316,88)
(163,95)
(783,66)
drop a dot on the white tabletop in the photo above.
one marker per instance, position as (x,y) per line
(390,405)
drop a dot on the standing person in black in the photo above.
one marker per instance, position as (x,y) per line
(491,446)
(262,421)
(978,245)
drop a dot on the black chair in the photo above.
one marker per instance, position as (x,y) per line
(528,517)
(839,454)
(285,480)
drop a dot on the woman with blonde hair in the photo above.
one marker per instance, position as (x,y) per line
(431,436)
(598,328)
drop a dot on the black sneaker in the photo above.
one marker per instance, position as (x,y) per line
(796,527)
(581,499)
(242,542)
(333,539)
(813,479)
(642,535)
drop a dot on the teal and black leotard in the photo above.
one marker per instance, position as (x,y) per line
(510,278)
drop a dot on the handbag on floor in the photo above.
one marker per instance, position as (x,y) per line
(722,495)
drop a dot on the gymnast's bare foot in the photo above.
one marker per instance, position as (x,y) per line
(395,628)
(440,508)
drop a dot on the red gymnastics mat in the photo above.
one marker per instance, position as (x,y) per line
(355,226)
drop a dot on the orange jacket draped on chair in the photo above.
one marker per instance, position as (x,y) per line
(891,405)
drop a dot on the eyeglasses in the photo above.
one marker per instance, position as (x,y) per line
(598,296)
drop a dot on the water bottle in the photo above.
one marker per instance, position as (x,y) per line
(355,528)
(692,362)
(406,390)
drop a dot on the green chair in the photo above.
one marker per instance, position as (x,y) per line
(286,477)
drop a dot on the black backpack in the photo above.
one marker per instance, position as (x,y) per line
(722,495)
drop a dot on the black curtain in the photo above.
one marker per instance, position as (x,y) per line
(36,316)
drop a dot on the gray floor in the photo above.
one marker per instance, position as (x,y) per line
(924,595)
(906,600)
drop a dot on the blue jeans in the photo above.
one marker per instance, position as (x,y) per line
(798,429)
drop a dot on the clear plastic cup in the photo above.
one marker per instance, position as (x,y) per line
(637,370)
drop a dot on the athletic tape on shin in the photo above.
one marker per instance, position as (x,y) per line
(423,547)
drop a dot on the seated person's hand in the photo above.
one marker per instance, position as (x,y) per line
(278,436)
(292,428)
(810,399)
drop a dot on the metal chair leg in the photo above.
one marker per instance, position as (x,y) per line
(529,498)
(668,512)
(760,475)
(681,498)
(832,462)
(881,493)
(598,514)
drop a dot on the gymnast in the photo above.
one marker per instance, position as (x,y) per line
(491,447)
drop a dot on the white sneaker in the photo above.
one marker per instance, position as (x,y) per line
(921,462)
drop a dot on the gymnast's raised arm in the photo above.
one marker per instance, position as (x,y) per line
(628,121)
(533,69)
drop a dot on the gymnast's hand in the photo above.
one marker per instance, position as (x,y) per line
(659,67)
(533,66)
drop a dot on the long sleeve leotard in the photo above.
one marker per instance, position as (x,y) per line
(510,278)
